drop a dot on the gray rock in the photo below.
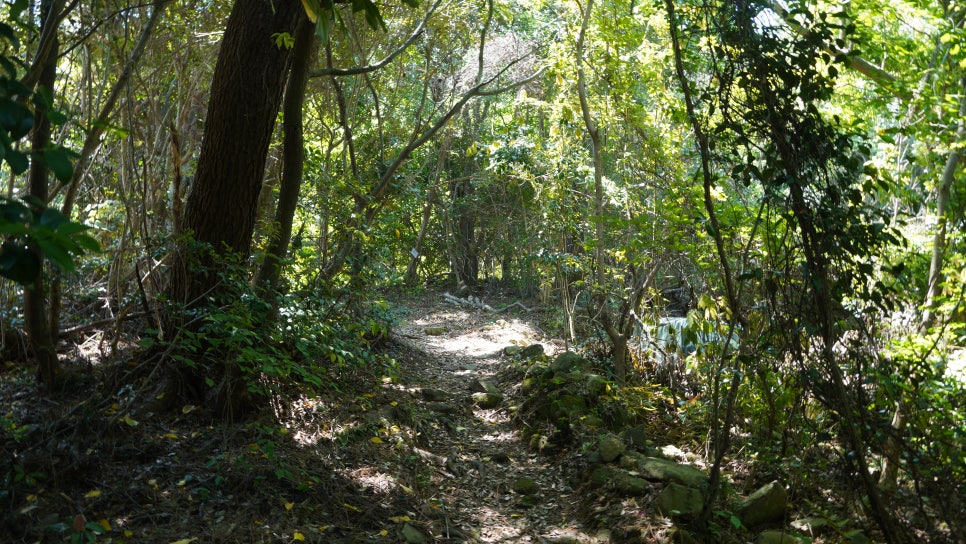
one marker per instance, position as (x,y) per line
(487,400)
(434,395)
(679,501)
(610,448)
(533,350)
(765,504)
(568,361)
(612,478)
(655,468)
(482,386)
(778,537)
(435,331)
(595,385)
(810,526)
(528,385)
(413,535)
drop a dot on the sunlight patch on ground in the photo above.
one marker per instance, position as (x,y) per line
(483,342)
(370,478)
(496,527)
(499,438)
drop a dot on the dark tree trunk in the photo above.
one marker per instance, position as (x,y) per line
(293,157)
(35,294)
(246,91)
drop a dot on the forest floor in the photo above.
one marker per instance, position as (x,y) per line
(400,454)
(383,454)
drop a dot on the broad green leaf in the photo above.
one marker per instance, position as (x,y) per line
(56,253)
(58,161)
(19,264)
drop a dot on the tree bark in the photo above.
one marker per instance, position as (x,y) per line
(246,91)
(35,294)
(293,159)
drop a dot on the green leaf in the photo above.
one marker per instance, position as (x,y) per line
(58,161)
(7,33)
(18,161)
(51,218)
(18,263)
(283,40)
(56,253)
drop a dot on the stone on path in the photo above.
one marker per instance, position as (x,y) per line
(525,486)
(434,395)
(435,331)
(533,350)
(765,504)
(677,500)
(487,400)
(655,468)
(610,448)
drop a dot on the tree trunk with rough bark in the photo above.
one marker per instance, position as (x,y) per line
(246,91)
(35,294)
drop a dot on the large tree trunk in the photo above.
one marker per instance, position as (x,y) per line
(246,91)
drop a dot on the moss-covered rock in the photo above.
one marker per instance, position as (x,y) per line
(610,448)
(679,501)
(654,468)
(487,400)
(531,351)
(569,361)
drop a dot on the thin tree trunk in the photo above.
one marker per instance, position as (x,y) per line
(888,480)
(721,432)
(93,140)
(618,340)
(293,159)
(35,294)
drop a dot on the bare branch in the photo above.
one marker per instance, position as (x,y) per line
(373,67)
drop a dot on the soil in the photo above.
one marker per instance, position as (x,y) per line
(395,454)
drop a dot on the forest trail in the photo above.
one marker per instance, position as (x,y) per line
(452,351)
(384,452)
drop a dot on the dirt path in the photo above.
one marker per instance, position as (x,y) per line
(453,349)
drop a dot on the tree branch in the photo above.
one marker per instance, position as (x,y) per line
(330,71)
